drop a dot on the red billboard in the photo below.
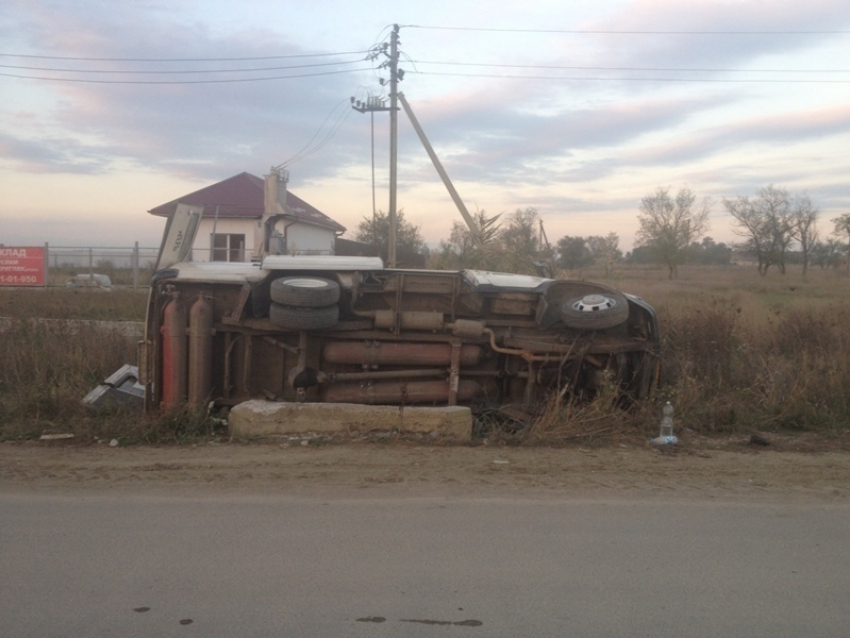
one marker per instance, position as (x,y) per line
(22,266)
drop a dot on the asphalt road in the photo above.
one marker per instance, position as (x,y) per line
(91,564)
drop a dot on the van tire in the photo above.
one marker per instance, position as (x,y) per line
(304,292)
(612,310)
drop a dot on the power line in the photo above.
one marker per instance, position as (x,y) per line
(623,32)
(224,59)
(624,68)
(627,79)
(306,151)
(227,81)
(173,72)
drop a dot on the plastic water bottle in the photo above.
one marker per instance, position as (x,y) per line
(666,436)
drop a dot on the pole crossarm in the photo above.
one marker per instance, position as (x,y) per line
(372,105)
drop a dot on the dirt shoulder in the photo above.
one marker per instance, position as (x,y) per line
(735,470)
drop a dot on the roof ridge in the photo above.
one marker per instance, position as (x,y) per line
(250,204)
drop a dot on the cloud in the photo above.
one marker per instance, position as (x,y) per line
(718,21)
(488,143)
(785,128)
(591,142)
(57,154)
(201,130)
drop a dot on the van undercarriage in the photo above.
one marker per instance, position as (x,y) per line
(302,330)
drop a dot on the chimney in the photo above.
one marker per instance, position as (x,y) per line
(274,203)
(275,192)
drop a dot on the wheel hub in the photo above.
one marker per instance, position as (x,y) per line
(593,303)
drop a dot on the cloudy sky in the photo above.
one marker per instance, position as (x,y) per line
(578,109)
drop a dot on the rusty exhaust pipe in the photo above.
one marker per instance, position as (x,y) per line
(398,393)
(376,353)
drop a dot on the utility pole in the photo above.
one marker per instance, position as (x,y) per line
(394,78)
(377,104)
(371,105)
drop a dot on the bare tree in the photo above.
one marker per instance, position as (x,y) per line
(804,219)
(765,223)
(669,225)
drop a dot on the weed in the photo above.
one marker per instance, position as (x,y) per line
(740,352)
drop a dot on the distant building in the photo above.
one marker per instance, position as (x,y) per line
(236,212)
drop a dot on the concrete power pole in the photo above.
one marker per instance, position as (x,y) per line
(393,239)
(377,104)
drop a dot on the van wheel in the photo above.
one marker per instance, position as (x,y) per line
(595,311)
(292,318)
(304,292)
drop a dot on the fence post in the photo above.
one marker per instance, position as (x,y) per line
(135,265)
(46,264)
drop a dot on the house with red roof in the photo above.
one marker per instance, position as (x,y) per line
(237,213)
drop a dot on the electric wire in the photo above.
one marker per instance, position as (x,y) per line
(627,79)
(180,71)
(306,151)
(171,82)
(620,68)
(374,52)
(221,59)
(341,119)
(622,32)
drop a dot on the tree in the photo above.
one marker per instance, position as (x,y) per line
(375,230)
(765,223)
(826,254)
(574,253)
(466,250)
(708,252)
(804,219)
(520,243)
(605,251)
(669,225)
(640,255)
(842,229)
(512,247)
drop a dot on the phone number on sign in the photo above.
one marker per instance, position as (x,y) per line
(18,279)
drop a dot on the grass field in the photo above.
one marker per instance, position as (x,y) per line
(740,353)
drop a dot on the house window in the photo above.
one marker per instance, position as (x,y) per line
(228,247)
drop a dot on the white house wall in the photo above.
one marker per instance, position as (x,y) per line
(202,248)
(301,239)
(305,239)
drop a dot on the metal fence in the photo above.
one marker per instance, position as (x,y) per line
(102,260)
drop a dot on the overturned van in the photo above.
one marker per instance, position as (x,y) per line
(348,330)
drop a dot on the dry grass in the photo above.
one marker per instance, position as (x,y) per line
(119,304)
(740,353)
(48,367)
(47,371)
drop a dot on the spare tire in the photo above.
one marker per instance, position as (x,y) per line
(595,311)
(304,292)
(292,318)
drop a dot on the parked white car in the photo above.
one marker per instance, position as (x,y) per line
(90,280)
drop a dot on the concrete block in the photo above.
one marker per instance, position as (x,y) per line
(263,418)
